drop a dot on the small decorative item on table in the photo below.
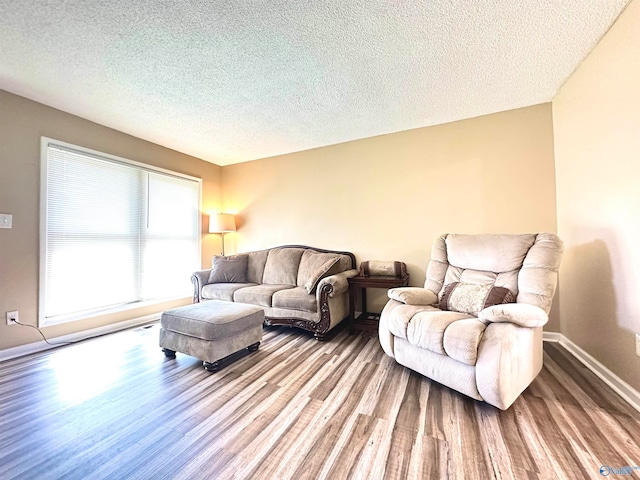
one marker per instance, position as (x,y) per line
(373,274)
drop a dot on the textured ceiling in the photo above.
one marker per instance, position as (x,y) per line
(230,81)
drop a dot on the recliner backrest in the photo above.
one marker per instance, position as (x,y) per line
(526,264)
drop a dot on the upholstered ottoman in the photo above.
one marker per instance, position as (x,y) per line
(211,331)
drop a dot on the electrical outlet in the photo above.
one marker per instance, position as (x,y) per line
(6,219)
(638,344)
(12,317)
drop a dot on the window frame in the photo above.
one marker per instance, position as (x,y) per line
(45,143)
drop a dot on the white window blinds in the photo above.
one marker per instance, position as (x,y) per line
(115,233)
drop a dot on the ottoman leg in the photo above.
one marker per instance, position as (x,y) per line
(254,347)
(211,367)
(169,353)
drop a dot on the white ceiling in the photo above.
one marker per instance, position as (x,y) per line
(231,81)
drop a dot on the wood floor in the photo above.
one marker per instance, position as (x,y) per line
(115,408)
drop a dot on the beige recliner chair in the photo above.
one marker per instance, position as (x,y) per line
(476,326)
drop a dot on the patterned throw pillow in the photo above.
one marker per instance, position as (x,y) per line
(229,269)
(471,298)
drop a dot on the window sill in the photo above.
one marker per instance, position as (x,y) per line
(87,315)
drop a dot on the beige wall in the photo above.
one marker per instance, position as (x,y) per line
(597,146)
(22,123)
(389,197)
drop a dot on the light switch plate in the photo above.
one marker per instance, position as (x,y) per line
(638,344)
(6,219)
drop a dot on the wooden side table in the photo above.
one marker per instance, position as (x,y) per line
(366,320)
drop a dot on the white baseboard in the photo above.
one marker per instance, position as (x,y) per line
(626,391)
(41,346)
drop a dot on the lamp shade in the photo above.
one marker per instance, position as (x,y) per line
(222,222)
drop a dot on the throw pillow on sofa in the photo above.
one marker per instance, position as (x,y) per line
(313,267)
(229,269)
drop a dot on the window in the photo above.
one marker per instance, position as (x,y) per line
(114,233)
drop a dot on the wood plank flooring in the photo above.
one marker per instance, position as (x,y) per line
(115,408)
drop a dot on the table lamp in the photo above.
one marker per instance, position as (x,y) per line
(222,223)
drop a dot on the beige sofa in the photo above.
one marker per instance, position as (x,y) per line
(476,326)
(296,285)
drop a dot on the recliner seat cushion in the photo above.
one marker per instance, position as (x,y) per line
(461,339)
(423,327)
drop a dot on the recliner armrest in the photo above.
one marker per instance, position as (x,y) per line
(413,296)
(521,314)
(339,282)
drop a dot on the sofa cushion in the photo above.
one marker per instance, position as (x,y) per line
(282,266)
(314,266)
(258,295)
(222,291)
(256,264)
(471,298)
(295,299)
(229,269)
